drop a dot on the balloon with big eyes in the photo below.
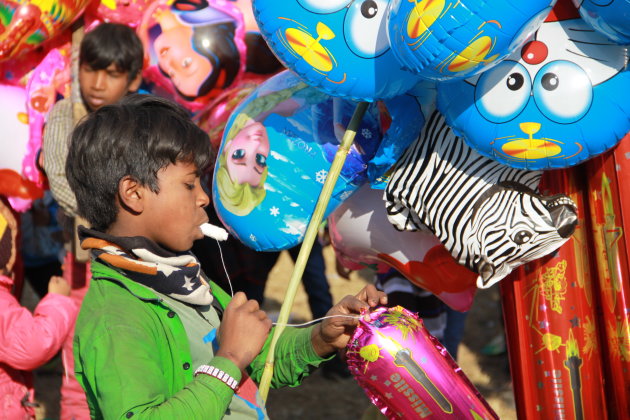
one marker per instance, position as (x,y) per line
(338,46)
(446,39)
(557,101)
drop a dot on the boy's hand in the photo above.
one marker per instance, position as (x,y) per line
(243,330)
(59,285)
(334,333)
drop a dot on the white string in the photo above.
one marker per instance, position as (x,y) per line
(225,268)
(317,320)
(276,323)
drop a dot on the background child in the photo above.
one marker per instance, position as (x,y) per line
(155,336)
(110,64)
(27,340)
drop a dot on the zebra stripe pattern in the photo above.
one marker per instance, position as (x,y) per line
(485,213)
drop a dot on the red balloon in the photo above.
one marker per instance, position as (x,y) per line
(13,185)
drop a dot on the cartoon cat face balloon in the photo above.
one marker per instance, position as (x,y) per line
(560,99)
(338,46)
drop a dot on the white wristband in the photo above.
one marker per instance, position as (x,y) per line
(219,374)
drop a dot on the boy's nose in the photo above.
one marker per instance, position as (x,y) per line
(99,82)
(203,199)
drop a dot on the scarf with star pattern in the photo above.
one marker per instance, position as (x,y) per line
(143,261)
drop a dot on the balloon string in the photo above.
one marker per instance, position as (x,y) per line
(319,319)
(225,268)
(276,323)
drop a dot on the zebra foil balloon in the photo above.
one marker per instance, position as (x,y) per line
(554,103)
(487,215)
(407,373)
(278,146)
(444,39)
(362,237)
(338,46)
(609,17)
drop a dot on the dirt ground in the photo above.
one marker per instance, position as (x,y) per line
(340,399)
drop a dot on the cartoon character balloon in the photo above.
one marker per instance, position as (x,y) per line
(26,24)
(277,149)
(14,123)
(448,39)
(554,103)
(363,237)
(50,78)
(338,46)
(609,17)
(118,11)
(407,373)
(195,49)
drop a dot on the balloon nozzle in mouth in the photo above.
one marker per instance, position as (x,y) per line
(214,232)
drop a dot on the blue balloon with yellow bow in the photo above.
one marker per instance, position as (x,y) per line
(557,101)
(277,149)
(446,39)
(338,46)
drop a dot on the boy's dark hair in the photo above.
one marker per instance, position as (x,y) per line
(113,43)
(136,137)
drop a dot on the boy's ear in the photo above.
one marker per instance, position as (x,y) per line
(135,83)
(131,194)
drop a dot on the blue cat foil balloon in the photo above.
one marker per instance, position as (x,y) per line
(445,39)
(609,17)
(554,103)
(338,46)
(277,149)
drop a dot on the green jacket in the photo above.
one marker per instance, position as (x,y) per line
(132,356)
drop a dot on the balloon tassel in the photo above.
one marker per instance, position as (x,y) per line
(309,239)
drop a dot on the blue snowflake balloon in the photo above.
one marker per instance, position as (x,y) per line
(446,39)
(338,46)
(277,149)
(559,100)
(609,17)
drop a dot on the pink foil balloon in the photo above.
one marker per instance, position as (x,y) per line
(407,373)
(363,237)
(50,76)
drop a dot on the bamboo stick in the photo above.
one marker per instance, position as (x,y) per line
(309,239)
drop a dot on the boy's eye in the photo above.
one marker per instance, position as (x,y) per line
(261,160)
(238,154)
(190,186)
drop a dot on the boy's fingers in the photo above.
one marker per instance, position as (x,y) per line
(372,296)
(238,299)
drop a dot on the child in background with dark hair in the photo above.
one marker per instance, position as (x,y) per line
(110,64)
(155,337)
(27,340)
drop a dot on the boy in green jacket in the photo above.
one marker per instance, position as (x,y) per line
(155,338)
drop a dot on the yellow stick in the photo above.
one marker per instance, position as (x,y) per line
(309,239)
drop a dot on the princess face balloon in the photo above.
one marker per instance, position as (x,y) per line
(194,49)
(554,103)
(277,149)
(338,46)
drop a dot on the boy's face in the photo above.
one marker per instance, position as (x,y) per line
(105,86)
(172,217)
